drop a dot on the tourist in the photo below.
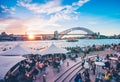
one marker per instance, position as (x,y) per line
(27,67)
(101,58)
(118,65)
(40,66)
(97,58)
(107,57)
(93,67)
(11,78)
(64,57)
(61,62)
(114,64)
(86,65)
(76,56)
(86,75)
(107,76)
(58,68)
(113,73)
(107,64)
(111,55)
(90,63)
(83,62)
(33,63)
(44,67)
(78,78)
(35,72)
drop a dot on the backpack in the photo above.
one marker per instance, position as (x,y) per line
(79,80)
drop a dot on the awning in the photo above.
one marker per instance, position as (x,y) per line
(7,62)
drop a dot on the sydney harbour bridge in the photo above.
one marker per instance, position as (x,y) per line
(89,32)
(60,35)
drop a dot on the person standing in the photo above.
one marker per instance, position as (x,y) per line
(78,78)
(83,62)
(86,75)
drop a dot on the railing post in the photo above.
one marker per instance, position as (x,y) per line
(44,78)
(67,64)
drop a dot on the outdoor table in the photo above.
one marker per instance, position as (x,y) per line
(100,63)
(57,57)
(113,58)
(104,60)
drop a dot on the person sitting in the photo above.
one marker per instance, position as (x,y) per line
(97,58)
(93,67)
(107,57)
(118,65)
(111,55)
(107,65)
(40,66)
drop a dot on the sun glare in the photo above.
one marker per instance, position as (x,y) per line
(31,36)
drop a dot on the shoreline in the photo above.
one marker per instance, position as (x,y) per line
(56,40)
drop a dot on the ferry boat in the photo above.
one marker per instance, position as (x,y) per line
(72,40)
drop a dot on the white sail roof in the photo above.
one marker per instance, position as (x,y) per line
(17,50)
(53,49)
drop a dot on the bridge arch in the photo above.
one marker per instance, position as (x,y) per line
(89,32)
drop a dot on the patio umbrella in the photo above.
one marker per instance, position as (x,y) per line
(17,50)
(53,49)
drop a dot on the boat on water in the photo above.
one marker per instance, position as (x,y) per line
(72,40)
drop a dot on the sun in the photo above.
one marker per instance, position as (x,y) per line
(31,36)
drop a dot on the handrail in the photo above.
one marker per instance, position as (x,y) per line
(81,69)
(15,70)
(70,73)
(72,70)
(75,75)
(66,72)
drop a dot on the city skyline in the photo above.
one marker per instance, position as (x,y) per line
(46,16)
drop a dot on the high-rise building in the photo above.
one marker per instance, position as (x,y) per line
(56,35)
(98,36)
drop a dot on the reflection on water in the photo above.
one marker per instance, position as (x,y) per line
(60,43)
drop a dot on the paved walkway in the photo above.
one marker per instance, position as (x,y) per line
(52,73)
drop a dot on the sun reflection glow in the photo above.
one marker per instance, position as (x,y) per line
(31,36)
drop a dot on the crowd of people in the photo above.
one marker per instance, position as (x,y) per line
(30,68)
(110,72)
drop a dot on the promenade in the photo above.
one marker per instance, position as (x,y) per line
(51,74)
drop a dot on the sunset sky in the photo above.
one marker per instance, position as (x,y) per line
(46,16)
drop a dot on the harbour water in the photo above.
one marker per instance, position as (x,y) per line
(60,43)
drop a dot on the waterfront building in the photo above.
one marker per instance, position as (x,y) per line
(4,36)
(98,36)
(56,35)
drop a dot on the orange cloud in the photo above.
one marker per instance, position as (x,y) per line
(16,28)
